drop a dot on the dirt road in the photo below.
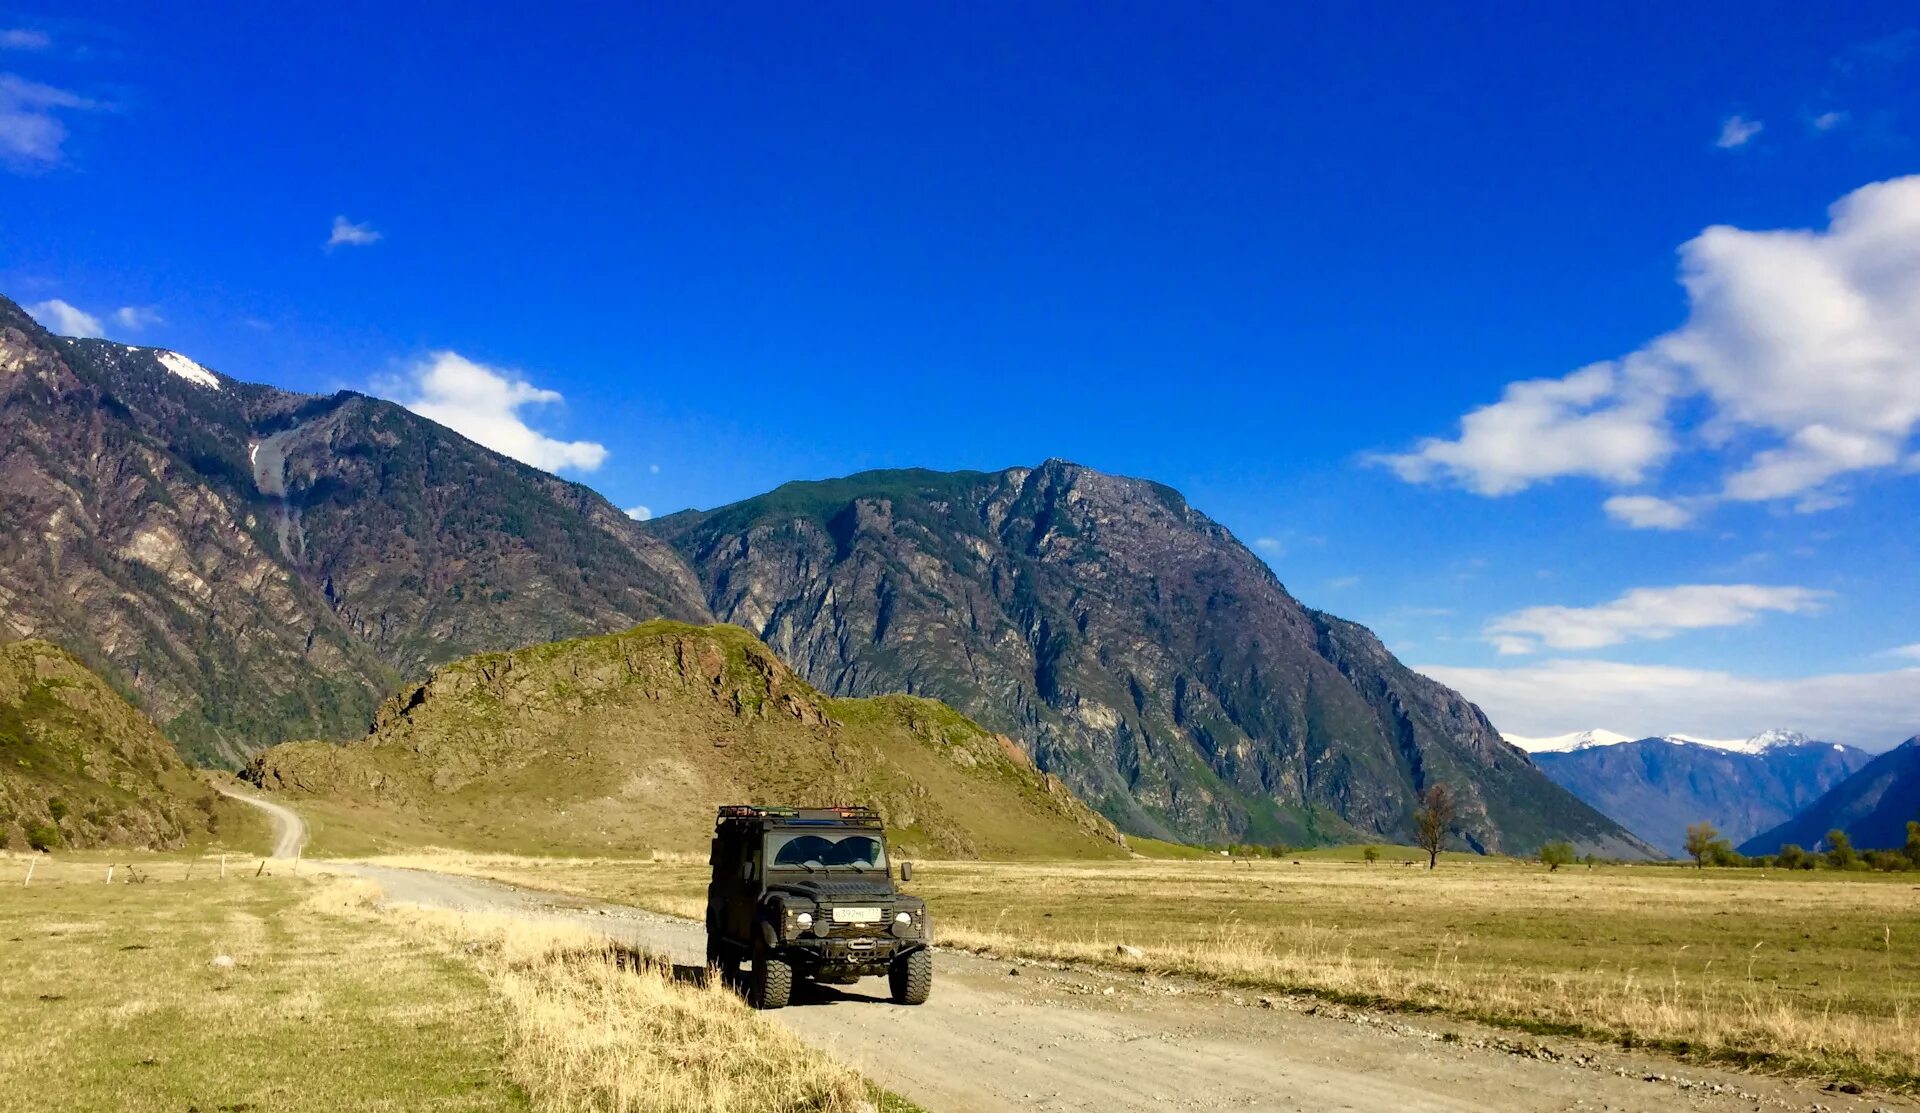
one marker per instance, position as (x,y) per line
(1000,1036)
(289,830)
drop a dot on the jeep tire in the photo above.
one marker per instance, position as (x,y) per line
(772,981)
(910,977)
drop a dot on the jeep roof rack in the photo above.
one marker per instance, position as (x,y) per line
(837,814)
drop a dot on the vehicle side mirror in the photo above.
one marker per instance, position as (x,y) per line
(906,871)
(746,871)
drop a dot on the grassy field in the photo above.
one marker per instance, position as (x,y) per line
(115,1001)
(1805,971)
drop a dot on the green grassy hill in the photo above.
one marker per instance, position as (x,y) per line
(82,767)
(627,742)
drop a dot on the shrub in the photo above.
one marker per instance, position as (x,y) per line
(57,808)
(1556,854)
(1840,852)
(1886,861)
(1370,853)
(1792,857)
(43,836)
(1913,843)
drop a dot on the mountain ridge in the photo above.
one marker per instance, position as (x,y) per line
(1872,806)
(1657,787)
(1145,655)
(256,564)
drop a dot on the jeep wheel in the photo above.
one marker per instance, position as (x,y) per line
(911,978)
(772,981)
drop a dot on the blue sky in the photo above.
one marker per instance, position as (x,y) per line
(1270,255)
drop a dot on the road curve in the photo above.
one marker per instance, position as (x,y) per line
(289,830)
(1000,1036)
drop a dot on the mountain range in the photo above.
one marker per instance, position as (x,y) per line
(1658,786)
(1873,806)
(257,565)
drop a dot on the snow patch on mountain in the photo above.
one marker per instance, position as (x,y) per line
(187,369)
(1567,743)
(1587,739)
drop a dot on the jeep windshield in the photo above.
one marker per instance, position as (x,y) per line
(810,850)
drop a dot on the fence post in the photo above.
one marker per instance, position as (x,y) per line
(189,876)
(262,869)
(223,867)
(109,875)
(31,862)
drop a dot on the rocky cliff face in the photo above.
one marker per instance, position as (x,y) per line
(1147,657)
(257,565)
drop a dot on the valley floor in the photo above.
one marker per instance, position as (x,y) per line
(1016,1034)
(277,987)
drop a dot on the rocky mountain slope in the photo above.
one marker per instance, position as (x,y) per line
(1657,786)
(257,565)
(627,741)
(81,767)
(1143,653)
(1872,806)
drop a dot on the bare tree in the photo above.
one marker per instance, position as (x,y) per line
(1432,819)
(1700,839)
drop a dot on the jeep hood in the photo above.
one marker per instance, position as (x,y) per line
(838,888)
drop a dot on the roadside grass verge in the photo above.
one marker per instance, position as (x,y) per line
(114,1001)
(1805,973)
(596,1027)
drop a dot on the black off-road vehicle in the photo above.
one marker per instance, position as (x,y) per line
(809,893)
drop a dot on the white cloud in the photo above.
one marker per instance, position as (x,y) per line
(137,317)
(353,235)
(1341,583)
(30,133)
(1801,348)
(483,403)
(57,316)
(1648,512)
(1270,545)
(654,468)
(1737,131)
(1606,421)
(1911,652)
(639,513)
(1827,121)
(22,38)
(1872,710)
(1649,613)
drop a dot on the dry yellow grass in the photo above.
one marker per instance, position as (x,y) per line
(595,1029)
(330,1002)
(1816,972)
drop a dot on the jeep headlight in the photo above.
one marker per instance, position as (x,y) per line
(903,918)
(804,921)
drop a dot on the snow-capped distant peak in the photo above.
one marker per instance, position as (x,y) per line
(187,369)
(1587,739)
(1566,743)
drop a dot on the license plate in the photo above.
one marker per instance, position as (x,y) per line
(856,915)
